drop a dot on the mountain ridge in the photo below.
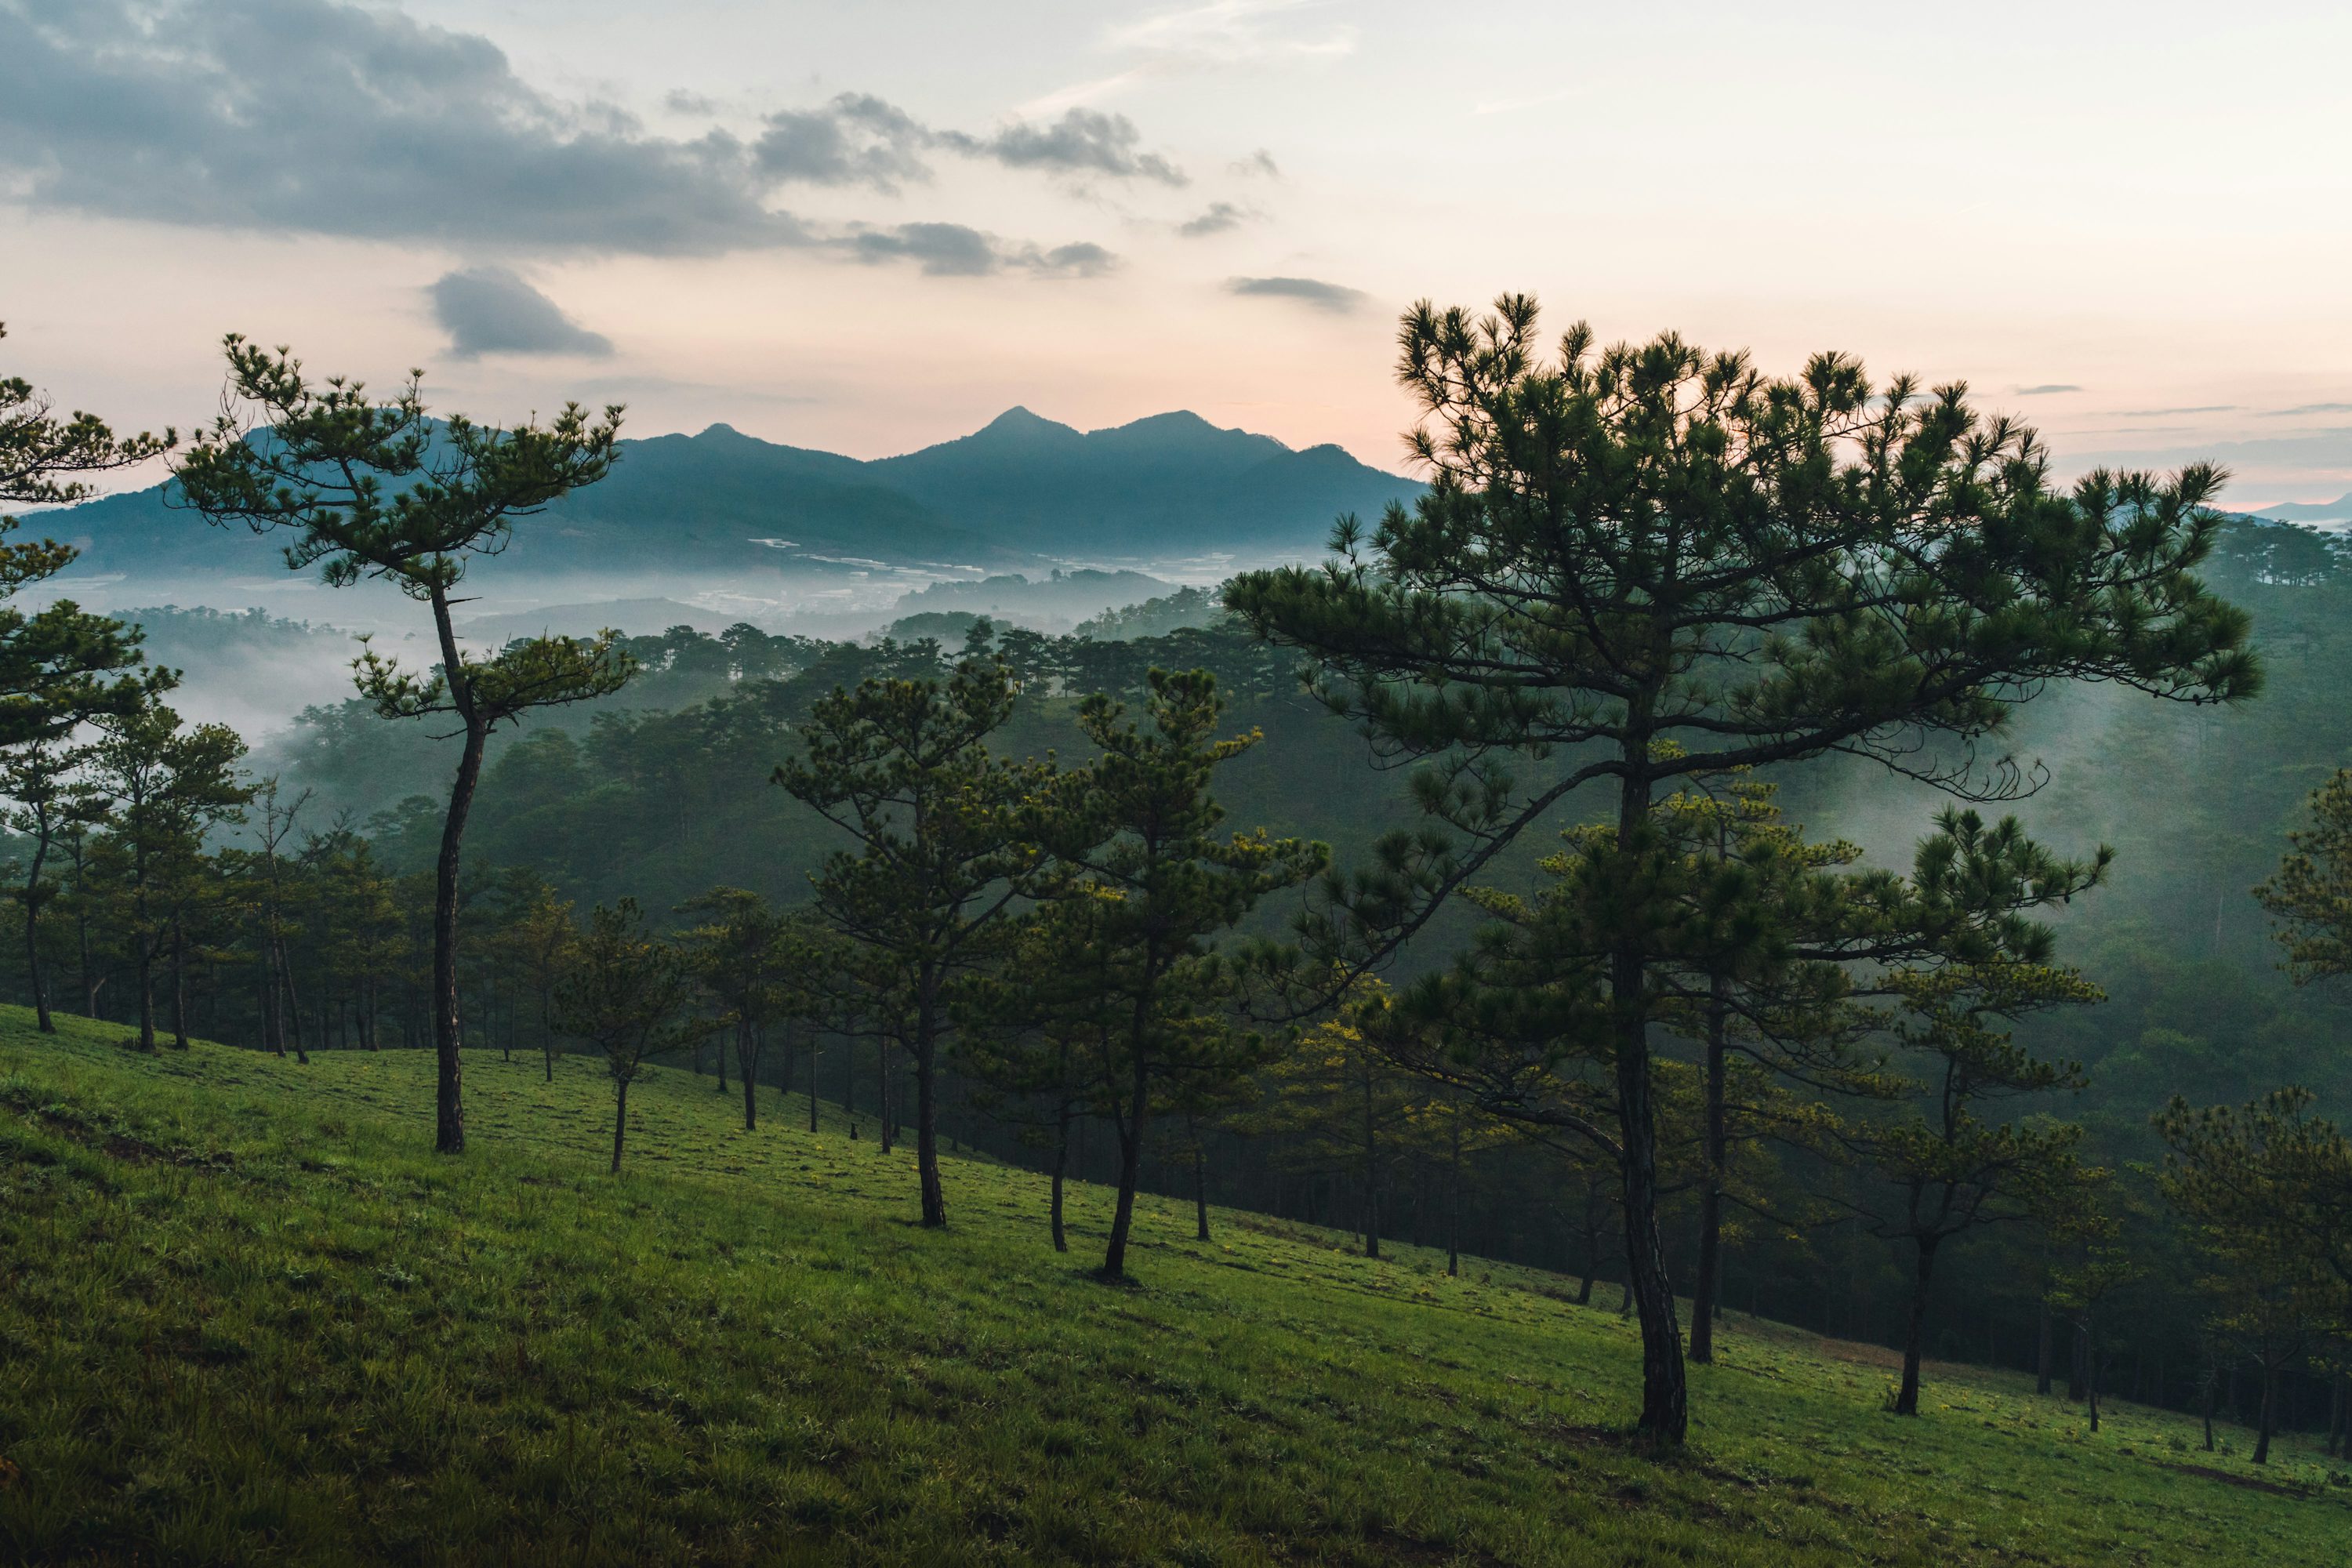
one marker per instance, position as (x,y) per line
(1021,491)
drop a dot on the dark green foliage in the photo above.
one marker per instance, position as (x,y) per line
(946,838)
(363,490)
(1647,564)
(625,994)
(1145,888)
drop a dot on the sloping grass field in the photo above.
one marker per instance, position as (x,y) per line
(247,1316)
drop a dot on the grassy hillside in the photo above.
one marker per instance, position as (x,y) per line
(245,1317)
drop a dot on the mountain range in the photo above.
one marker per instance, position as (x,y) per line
(1023,491)
(2337,510)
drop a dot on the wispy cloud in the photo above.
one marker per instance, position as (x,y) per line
(1237,32)
(2045,390)
(956,250)
(1335,297)
(2303,408)
(1219,217)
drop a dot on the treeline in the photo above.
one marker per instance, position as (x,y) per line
(1565,977)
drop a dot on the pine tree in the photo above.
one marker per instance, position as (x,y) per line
(947,841)
(1156,886)
(625,994)
(378,490)
(1649,563)
(168,786)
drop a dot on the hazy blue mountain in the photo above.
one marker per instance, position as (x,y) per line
(1167,485)
(2337,510)
(723,501)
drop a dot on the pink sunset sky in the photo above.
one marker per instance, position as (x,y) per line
(871,227)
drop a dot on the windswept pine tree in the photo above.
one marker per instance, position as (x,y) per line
(1649,562)
(368,489)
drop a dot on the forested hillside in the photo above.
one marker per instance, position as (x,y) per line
(1779,857)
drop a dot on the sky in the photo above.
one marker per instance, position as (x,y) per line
(868,226)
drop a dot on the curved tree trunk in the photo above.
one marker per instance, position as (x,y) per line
(620,1119)
(1131,1130)
(449,1126)
(1907,1399)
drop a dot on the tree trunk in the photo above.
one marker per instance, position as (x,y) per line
(2210,1381)
(179,984)
(719,1055)
(1200,1196)
(1906,1398)
(1666,1414)
(32,933)
(449,1129)
(1372,1173)
(2091,1371)
(273,1027)
(889,1119)
(1061,1165)
(926,1118)
(291,1015)
(1710,1195)
(620,1119)
(1131,1169)
(2046,1355)
(144,944)
(746,1059)
(2269,1414)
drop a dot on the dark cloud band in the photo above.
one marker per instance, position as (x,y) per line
(309,116)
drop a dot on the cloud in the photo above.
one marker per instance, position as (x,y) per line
(489,310)
(314,117)
(1259,164)
(2046,390)
(1219,218)
(856,139)
(1322,296)
(1082,141)
(1232,32)
(2161,413)
(2303,408)
(955,250)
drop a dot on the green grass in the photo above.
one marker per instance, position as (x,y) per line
(247,1317)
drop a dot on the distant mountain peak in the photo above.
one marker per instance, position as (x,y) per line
(1018,420)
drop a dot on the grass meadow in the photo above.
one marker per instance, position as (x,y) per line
(248,1317)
